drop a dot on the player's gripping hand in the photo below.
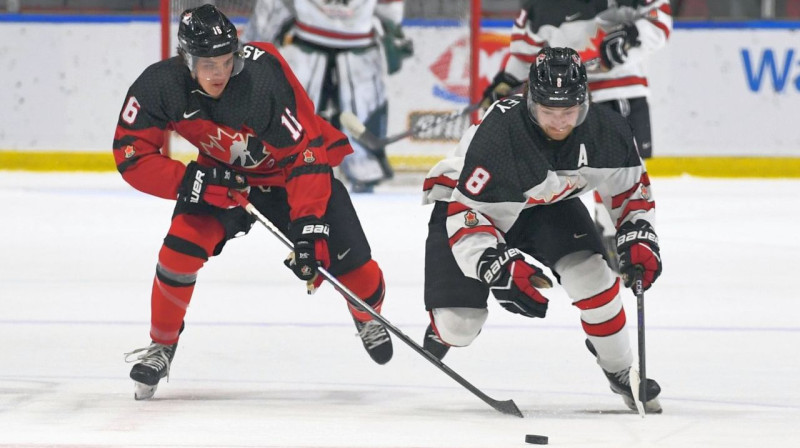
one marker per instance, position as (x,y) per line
(210,185)
(501,87)
(615,45)
(637,246)
(513,281)
(310,237)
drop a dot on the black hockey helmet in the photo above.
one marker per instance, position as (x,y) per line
(205,32)
(558,79)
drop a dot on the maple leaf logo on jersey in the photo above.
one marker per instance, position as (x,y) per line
(645,192)
(130,151)
(235,146)
(591,54)
(471,219)
(571,182)
(308,156)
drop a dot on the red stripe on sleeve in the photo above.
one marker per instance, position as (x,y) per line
(464,231)
(444,181)
(639,205)
(621,82)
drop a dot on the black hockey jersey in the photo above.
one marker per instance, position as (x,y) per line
(507,164)
(263,125)
(582,25)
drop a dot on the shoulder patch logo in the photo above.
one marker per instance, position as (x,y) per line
(308,156)
(471,219)
(130,151)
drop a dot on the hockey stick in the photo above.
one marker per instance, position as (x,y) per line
(506,407)
(374,143)
(638,289)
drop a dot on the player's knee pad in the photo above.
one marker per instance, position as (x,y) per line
(188,245)
(366,281)
(584,274)
(458,326)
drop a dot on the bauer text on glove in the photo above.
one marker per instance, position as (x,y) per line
(513,281)
(637,246)
(309,235)
(210,185)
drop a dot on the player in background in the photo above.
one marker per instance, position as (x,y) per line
(256,132)
(614,38)
(510,192)
(340,51)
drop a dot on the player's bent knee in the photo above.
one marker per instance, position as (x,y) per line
(459,326)
(584,273)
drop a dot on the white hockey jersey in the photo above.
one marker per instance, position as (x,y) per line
(581,25)
(328,23)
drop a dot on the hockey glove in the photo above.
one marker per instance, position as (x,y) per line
(396,46)
(615,45)
(210,185)
(310,237)
(637,246)
(513,281)
(501,87)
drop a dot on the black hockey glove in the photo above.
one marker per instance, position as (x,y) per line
(310,237)
(637,246)
(501,87)
(615,45)
(210,185)
(513,281)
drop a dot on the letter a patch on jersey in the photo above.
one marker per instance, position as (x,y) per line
(583,159)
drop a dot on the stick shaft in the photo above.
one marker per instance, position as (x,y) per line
(506,407)
(639,291)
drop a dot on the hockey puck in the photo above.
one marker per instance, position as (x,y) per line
(536,439)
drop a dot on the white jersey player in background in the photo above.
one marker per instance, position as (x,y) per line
(340,51)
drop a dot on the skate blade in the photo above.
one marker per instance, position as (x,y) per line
(142,391)
(651,407)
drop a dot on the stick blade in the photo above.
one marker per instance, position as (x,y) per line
(507,407)
(635,381)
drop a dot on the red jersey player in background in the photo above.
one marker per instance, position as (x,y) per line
(256,131)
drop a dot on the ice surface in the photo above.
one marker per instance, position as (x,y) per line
(261,364)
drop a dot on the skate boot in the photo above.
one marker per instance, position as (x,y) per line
(433,344)
(376,340)
(620,383)
(154,364)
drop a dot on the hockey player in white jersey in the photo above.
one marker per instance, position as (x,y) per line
(512,189)
(614,38)
(340,51)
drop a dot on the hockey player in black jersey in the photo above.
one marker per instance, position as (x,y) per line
(614,38)
(510,193)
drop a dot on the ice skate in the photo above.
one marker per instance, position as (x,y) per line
(621,384)
(154,364)
(376,340)
(433,344)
